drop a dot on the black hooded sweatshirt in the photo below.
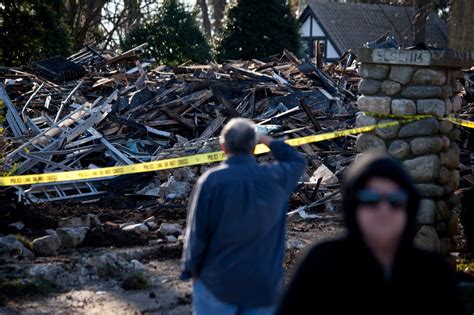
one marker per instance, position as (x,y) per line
(342,276)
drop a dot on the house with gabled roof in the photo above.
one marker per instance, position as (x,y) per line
(338,27)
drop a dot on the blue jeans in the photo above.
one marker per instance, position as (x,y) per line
(205,303)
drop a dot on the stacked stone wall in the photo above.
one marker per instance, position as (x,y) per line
(427,148)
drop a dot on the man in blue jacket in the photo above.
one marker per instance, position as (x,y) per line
(235,236)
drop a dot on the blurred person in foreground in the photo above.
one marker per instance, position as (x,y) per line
(235,236)
(375,267)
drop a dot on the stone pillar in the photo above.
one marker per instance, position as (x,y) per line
(417,82)
(2,120)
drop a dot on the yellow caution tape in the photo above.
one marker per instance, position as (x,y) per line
(460,122)
(113,170)
(175,162)
(454,120)
(399,116)
(335,134)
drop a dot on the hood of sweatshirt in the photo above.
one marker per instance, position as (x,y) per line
(366,167)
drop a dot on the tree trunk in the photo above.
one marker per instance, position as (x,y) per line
(219,8)
(84,19)
(133,13)
(206,23)
(461,36)
(294,6)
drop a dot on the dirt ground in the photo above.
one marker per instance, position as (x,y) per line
(165,295)
(71,288)
(144,277)
(118,272)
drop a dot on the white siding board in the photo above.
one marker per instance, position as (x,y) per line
(306,28)
(331,51)
(317,30)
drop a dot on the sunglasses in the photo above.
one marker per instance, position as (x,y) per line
(396,199)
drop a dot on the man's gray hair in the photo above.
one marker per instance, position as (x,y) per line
(239,136)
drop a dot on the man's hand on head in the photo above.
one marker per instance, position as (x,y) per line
(266,140)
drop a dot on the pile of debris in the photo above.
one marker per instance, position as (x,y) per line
(92,110)
(95,110)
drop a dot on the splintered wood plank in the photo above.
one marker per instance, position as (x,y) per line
(227,104)
(213,127)
(162,122)
(188,123)
(309,114)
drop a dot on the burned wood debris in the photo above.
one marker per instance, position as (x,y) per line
(94,110)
